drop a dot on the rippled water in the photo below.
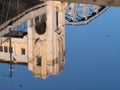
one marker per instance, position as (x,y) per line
(92,60)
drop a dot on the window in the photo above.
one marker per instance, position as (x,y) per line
(23,51)
(5,49)
(1,49)
(39,61)
(10,50)
(57,19)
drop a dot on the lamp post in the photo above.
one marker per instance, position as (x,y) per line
(10,51)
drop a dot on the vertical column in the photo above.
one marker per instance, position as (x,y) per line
(51,21)
(62,25)
(59,38)
(30,44)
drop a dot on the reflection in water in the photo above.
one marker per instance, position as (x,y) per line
(40,41)
(43,46)
(46,45)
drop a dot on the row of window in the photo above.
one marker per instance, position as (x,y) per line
(10,50)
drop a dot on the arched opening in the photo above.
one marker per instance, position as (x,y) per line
(40,26)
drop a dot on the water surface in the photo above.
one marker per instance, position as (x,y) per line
(92,59)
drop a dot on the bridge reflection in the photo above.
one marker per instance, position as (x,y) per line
(36,37)
(41,46)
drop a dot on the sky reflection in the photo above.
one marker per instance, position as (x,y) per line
(92,59)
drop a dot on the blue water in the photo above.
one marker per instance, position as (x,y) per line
(92,59)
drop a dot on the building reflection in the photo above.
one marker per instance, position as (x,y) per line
(42,47)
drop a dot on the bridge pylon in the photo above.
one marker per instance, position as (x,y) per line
(46,41)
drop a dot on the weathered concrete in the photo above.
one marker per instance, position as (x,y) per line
(97,2)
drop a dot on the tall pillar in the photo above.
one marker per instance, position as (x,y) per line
(60,41)
(51,27)
(46,49)
(30,44)
(37,46)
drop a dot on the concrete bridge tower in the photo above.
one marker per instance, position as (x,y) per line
(46,40)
